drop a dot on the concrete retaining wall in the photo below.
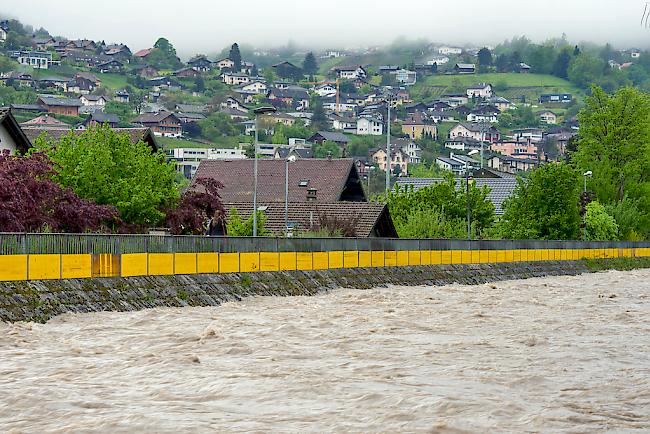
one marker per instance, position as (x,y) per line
(44,299)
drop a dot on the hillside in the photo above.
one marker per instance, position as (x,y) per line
(509,85)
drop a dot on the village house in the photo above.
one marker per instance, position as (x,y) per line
(438,60)
(257,87)
(187,72)
(99,118)
(325,136)
(145,71)
(330,103)
(233,103)
(349,72)
(532,134)
(61,106)
(410,148)
(454,99)
(119,52)
(225,64)
(481,90)
(3,35)
(483,132)
(416,128)
(122,96)
(93,100)
(35,59)
(234,113)
(325,90)
(523,68)
(369,126)
(515,148)
(406,77)
(555,98)
(165,124)
(399,160)
(247,68)
(113,65)
(45,121)
(458,164)
(465,144)
(235,79)
(191,108)
(450,50)
(294,96)
(465,68)
(499,102)
(506,164)
(143,54)
(343,123)
(484,114)
(279,118)
(200,63)
(22,79)
(547,117)
(12,137)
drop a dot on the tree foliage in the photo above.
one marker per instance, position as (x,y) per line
(601,226)
(30,201)
(309,65)
(615,145)
(164,55)
(197,211)
(544,207)
(235,56)
(108,168)
(244,228)
(439,209)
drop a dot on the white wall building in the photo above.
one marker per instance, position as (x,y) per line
(450,50)
(369,127)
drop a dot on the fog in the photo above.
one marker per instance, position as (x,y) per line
(206,26)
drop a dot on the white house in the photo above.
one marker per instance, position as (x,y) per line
(93,100)
(438,60)
(369,126)
(410,148)
(350,72)
(3,35)
(406,77)
(548,117)
(235,79)
(225,64)
(450,50)
(481,90)
(35,59)
(257,86)
(187,160)
(325,90)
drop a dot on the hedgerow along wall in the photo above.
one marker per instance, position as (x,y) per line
(78,256)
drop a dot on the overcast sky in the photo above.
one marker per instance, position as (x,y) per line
(207,26)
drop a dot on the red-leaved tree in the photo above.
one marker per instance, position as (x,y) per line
(198,211)
(30,201)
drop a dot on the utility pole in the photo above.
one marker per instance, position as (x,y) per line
(389,100)
(257,111)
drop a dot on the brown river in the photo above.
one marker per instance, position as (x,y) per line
(553,354)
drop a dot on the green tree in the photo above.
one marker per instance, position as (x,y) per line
(484,59)
(235,56)
(319,119)
(440,201)
(309,65)
(615,145)
(218,125)
(324,150)
(562,62)
(164,56)
(585,70)
(236,227)
(545,206)
(199,84)
(601,226)
(108,168)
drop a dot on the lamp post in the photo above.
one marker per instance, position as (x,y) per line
(388,102)
(291,159)
(257,111)
(589,174)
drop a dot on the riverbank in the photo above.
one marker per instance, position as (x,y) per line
(40,301)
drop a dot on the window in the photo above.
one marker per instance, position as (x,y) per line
(303,183)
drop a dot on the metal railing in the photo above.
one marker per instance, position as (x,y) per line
(21,243)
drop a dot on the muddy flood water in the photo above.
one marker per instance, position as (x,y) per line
(541,355)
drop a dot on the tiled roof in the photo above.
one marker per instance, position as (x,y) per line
(153,117)
(500,188)
(304,216)
(329,177)
(333,137)
(55,134)
(65,102)
(48,120)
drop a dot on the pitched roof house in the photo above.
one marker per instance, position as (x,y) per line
(12,137)
(162,123)
(62,106)
(320,180)
(54,134)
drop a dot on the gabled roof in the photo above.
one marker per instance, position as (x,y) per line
(333,137)
(289,93)
(500,188)
(154,117)
(136,134)
(479,127)
(60,102)
(372,219)
(143,53)
(8,121)
(47,120)
(466,65)
(334,180)
(101,117)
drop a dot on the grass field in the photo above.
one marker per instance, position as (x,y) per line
(112,81)
(509,85)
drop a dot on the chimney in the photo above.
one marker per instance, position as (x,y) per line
(311,195)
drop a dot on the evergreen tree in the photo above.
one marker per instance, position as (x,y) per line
(309,65)
(484,59)
(235,56)
(319,120)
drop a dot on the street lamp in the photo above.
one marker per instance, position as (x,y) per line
(589,174)
(291,159)
(257,111)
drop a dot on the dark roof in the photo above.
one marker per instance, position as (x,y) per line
(332,137)
(136,134)
(334,180)
(64,102)
(373,219)
(8,121)
(102,117)
(479,127)
(290,93)
(500,188)
(153,117)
